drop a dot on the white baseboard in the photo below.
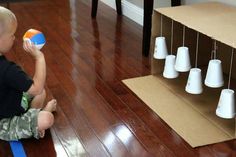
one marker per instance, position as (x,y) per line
(128,9)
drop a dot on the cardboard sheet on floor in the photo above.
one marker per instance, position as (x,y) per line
(191,116)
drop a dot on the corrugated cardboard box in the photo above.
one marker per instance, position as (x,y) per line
(191,116)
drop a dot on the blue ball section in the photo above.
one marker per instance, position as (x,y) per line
(38,39)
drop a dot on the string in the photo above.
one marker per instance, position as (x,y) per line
(172,29)
(197,50)
(161,25)
(212,49)
(231,66)
(215,47)
(183,34)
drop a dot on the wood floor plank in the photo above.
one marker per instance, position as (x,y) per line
(42,147)
(60,150)
(5,149)
(100,125)
(79,62)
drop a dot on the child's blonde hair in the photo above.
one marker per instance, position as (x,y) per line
(6,17)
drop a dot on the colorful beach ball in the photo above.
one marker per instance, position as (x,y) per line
(35,37)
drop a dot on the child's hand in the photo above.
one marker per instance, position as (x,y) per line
(31,49)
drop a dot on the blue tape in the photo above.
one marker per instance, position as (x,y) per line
(17,149)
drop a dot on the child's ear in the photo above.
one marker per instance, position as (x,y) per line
(1,28)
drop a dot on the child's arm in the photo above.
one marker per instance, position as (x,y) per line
(40,69)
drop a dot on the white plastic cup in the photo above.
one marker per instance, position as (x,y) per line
(169,69)
(226,105)
(214,77)
(194,83)
(160,50)
(182,63)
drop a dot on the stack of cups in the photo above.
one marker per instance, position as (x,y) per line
(194,83)
(182,63)
(214,76)
(226,105)
(160,51)
(169,69)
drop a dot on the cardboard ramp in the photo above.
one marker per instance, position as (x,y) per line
(191,116)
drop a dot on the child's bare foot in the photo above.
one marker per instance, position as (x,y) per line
(51,106)
(41,133)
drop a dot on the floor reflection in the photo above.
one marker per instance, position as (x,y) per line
(124,134)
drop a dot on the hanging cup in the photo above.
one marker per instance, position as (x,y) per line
(160,50)
(182,63)
(194,83)
(169,70)
(214,77)
(226,105)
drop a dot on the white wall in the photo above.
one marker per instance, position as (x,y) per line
(157,3)
(230,2)
(133,9)
(162,3)
(138,3)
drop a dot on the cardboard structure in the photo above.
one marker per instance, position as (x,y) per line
(191,116)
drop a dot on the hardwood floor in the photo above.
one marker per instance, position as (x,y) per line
(97,114)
